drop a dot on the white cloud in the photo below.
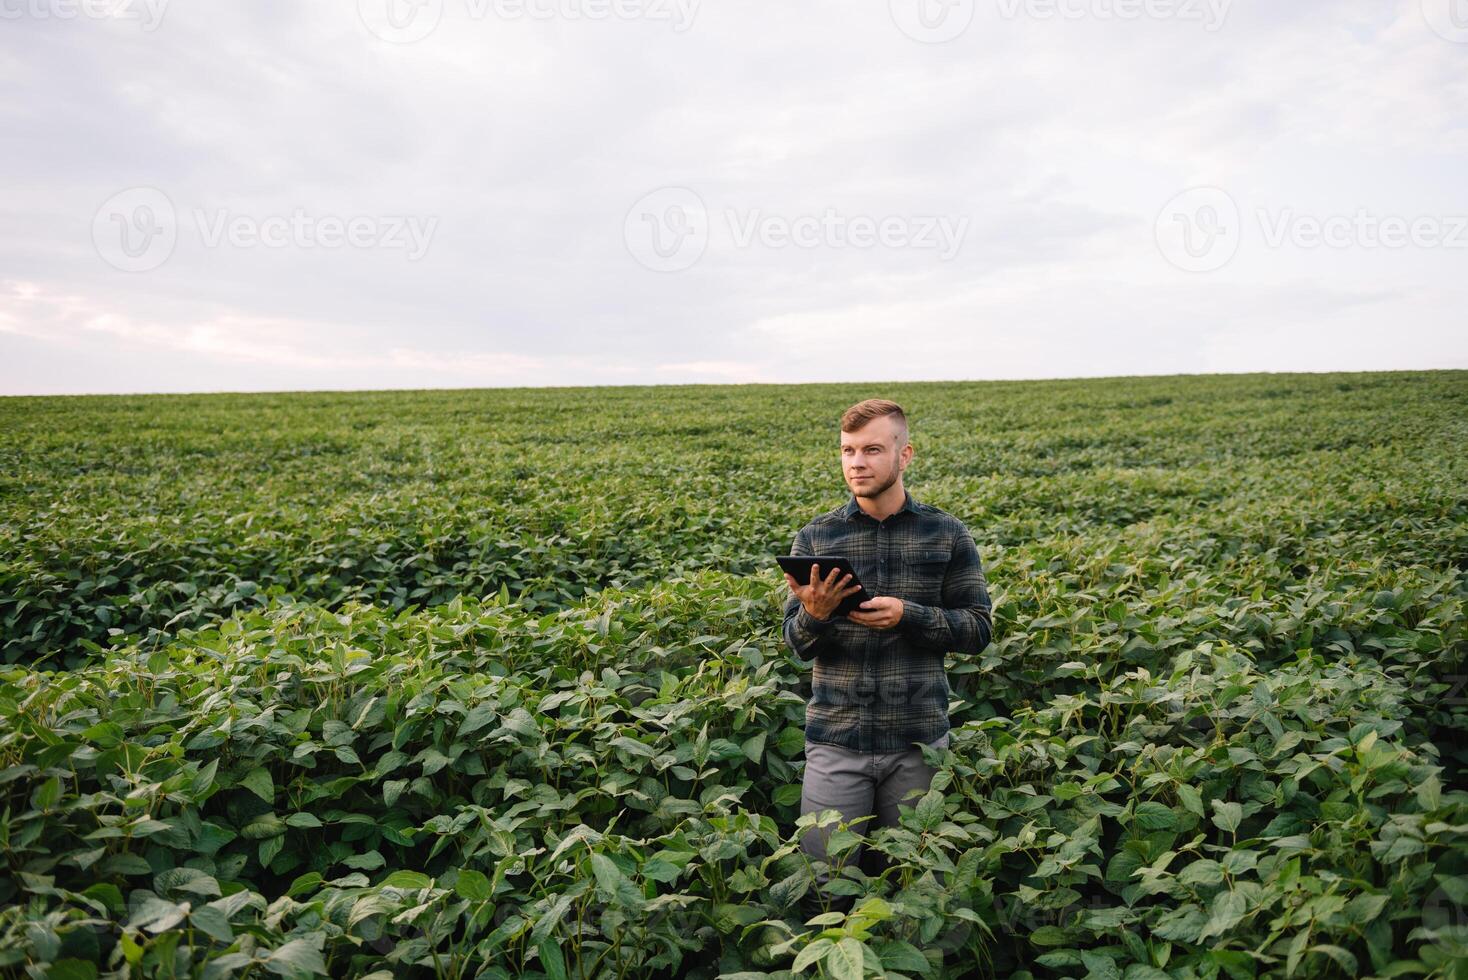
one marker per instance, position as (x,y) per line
(231,339)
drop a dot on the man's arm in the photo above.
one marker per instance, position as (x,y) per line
(805,634)
(964,623)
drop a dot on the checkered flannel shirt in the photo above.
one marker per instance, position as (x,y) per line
(882,690)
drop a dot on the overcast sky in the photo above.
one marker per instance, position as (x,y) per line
(450,193)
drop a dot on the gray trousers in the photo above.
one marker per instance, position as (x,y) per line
(859,784)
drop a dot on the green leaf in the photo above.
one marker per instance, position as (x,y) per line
(900,955)
(929,810)
(479,716)
(546,925)
(365,862)
(264,826)
(1183,924)
(156,914)
(125,864)
(1238,964)
(1204,872)
(1343,958)
(790,742)
(1152,815)
(812,954)
(613,885)
(788,890)
(1238,862)
(1429,794)
(305,883)
(296,956)
(552,960)
(72,969)
(213,922)
(1227,816)
(269,848)
(787,795)
(392,789)
(108,894)
(1224,913)
(1099,966)
(258,781)
(579,834)
(633,747)
(845,961)
(1049,936)
(754,747)
(47,795)
(472,885)
(406,880)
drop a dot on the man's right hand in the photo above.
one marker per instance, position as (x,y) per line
(821,596)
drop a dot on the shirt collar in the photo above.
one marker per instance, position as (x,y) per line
(852,508)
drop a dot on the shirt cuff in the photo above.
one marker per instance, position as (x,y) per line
(810,623)
(918,619)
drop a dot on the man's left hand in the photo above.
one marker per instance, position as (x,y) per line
(880,613)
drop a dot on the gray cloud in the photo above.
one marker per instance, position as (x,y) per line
(1055,141)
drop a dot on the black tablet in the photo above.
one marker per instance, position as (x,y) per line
(799,568)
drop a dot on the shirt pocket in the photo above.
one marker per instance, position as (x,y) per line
(925,568)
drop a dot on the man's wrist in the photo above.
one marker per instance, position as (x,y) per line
(812,622)
(915,616)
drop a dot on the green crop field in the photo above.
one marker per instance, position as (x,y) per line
(491,684)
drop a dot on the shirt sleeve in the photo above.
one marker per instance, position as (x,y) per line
(964,623)
(804,634)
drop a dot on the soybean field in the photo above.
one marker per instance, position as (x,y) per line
(490,684)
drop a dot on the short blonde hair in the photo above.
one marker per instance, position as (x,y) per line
(861,413)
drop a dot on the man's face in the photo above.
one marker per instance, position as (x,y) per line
(870,460)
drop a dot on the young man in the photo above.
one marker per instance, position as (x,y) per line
(878,686)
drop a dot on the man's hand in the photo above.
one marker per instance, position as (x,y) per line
(821,596)
(880,613)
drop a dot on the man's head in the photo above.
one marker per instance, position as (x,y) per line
(874,447)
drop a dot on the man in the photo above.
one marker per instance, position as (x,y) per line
(878,687)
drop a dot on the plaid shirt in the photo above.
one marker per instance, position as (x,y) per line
(882,690)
